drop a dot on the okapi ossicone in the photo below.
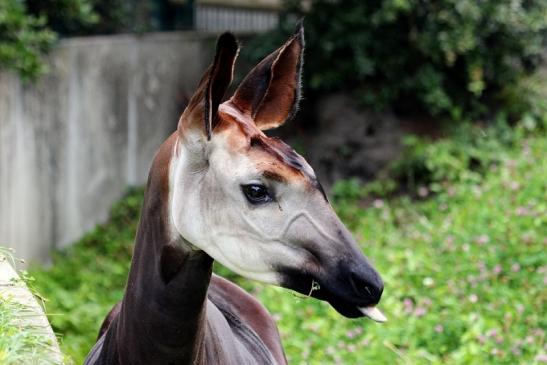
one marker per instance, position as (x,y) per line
(220,189)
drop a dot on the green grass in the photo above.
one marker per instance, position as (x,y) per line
(465,265)
(21,342)
(86,279)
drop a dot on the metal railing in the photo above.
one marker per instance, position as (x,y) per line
(218,18)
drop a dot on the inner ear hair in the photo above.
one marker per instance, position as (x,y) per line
(271,91)
(220,78)
(202,110)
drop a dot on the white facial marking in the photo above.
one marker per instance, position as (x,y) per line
(210,211)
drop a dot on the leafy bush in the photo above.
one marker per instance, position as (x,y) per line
(64,16)
(459,58)
(23,39)
(29,28)
(88,278)
(86,17)
(464,269)
(464,157)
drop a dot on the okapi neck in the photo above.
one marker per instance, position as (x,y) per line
(162,318)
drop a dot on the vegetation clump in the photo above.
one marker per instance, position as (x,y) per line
(29,28)
(21,344)
(456,58)
(23,340)
(23,39)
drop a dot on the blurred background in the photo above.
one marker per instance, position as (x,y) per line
(426,120)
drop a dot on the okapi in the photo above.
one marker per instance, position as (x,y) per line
(220,189)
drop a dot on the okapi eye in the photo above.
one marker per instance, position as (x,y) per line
(256,193)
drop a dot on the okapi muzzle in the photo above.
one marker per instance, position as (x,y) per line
(333,269)
(338,273)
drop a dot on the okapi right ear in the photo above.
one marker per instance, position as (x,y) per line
(203,106)
(271,91)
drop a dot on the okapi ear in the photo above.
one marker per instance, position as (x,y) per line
(271,91)
(203,106)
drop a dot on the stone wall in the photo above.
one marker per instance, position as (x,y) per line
(72,142)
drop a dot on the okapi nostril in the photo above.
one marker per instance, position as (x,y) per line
(363,287)
(359,287)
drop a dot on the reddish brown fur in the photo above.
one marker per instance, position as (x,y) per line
(271,91)
(160,170)
(271,155)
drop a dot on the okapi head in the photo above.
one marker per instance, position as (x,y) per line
(250,201)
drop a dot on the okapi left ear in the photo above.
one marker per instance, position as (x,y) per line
(271,91)
(203,106)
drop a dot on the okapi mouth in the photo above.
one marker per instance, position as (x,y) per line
(350,306)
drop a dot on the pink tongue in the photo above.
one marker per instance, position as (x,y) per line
(373,313)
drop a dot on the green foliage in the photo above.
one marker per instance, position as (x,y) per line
(29,28)
(85,17)
(23,39)
(464,269)
(21,342)
(459,58)
(87,279)
(462,158)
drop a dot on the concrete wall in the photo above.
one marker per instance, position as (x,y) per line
(73,141)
